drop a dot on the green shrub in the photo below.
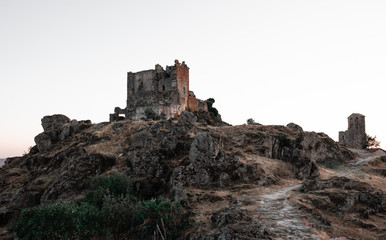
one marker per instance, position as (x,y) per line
(113,184)
(161,212)
(213,111)
(120,215)
(89,221)
(53,221)
(108,210)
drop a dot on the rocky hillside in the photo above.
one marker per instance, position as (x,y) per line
(233,182)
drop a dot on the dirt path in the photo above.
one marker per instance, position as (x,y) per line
(279,216)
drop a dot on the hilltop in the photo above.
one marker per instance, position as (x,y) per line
(246,182)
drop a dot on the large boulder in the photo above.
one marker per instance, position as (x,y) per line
(43,142)
(187,119)
(54,122)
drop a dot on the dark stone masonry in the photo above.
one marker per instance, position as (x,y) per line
(355,136)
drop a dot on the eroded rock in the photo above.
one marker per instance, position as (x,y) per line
(43,142)
(54,122)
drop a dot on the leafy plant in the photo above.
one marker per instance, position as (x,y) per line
(371,142)
(114,184)
(213,111)
(54,221)
(108,210)
(120,215)
(162,216)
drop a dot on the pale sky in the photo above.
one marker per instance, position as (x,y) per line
(309,62)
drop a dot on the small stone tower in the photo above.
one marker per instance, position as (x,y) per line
(355,136)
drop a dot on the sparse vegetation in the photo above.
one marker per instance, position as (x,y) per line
(371,142)
(113,184)
(108,210)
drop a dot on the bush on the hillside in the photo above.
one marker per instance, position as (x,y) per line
(114,184)
(372,142)
(89,221)
(120,215)
(54,221)
(161,214)
(109,209)
(213,111)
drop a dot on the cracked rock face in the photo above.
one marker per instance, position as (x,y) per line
(341,195)
(211,166)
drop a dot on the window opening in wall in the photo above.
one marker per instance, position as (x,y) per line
(163,88)
(356,123)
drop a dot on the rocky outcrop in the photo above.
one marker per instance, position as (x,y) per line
(57,128)
(54,122)
(303,150)
(43,142)
(210,166)
(166,157)
(295,127)
(320,147)
(233,223)
(187,119)
(342,195)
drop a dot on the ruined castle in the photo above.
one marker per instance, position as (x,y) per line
(355,136)
(162,91)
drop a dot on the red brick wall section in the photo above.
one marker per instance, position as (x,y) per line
(192,104)
(182,73)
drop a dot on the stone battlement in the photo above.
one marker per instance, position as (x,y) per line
(164,91)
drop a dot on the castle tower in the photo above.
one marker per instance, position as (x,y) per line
(161,91)
(355,136)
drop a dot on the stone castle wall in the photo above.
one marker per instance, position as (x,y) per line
(161,90)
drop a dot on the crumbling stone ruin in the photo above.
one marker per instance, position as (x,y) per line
(162,91)
(355,136)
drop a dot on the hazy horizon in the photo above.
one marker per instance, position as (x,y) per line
(309,62)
